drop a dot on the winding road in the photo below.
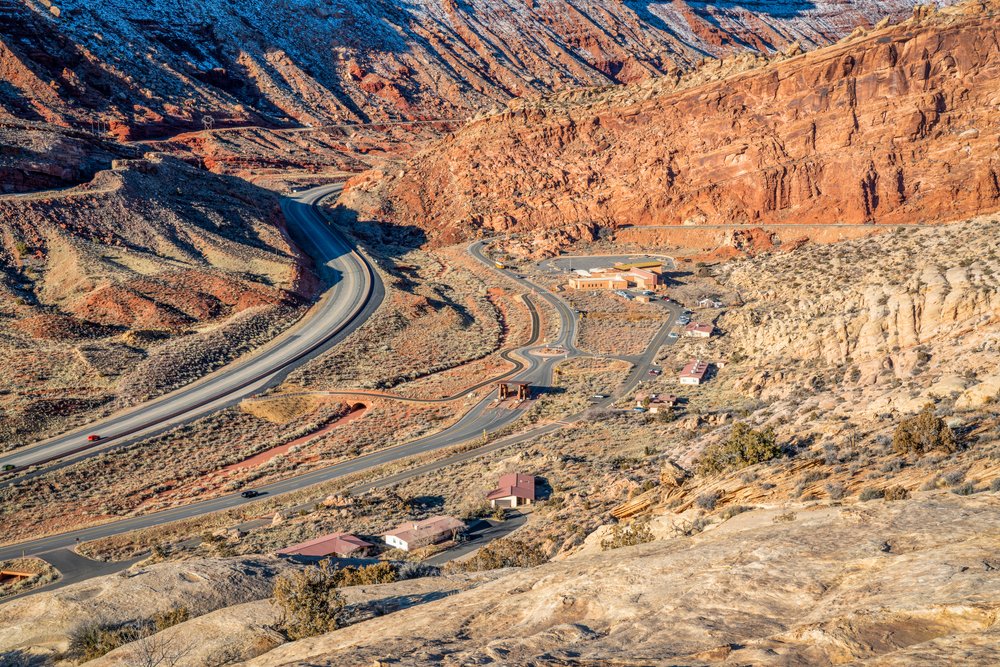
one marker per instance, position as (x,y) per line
(484,417)
(355,292)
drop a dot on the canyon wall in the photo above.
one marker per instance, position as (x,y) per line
(893,126)
(149,68)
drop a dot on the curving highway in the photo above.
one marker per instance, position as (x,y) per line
(355,292)
(484,417)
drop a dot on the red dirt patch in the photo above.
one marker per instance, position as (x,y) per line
(265,456)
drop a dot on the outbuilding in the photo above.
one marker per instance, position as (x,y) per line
(696,330)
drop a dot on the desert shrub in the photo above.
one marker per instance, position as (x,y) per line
(896,493)
(691,528)
(707,501)
(476,510)
(953,477)
(414,570)
(309,602)
(871,493)
(92,639)
(966,489)
(627,536)
(744,447)
(503,553)
(836,490)
(171,617)
(995,485)
(364,575)
(922,433)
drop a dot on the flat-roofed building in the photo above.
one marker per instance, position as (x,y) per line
(599,281)
(616,278)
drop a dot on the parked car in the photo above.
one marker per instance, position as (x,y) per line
(93,438)
(250,493)
(673,334)
(655,371)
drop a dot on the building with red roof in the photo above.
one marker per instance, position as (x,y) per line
(513,490)
(415,534)
(342,545)
(694,372)
(696,330)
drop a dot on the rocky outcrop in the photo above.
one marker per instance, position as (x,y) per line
(892,126)
(312,62)
(874,301)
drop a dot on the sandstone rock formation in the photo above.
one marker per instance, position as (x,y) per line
(895,126)
(905,316)
(43,623)
(310,62)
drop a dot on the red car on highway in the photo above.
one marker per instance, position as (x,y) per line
(93,438)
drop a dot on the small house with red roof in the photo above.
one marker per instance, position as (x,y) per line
(694,372)
(342,545)
(696,330)
(513,490)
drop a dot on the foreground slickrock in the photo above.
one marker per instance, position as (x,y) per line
(888,583)
(895,126)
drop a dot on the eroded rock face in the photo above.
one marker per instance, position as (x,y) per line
(311,61)
(892,127)
(882,581)
(875,302)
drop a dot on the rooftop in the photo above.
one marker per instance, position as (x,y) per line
(435,525)
(514,484)
(334,543)
(695,368)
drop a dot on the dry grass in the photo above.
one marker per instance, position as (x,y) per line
(281,409)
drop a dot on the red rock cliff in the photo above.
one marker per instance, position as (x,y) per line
(898,125)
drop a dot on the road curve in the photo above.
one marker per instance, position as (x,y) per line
(355,292)
(483,417)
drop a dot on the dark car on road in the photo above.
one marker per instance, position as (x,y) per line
(250,493)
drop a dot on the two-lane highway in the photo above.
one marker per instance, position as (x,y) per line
(354,292)
(485,416)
